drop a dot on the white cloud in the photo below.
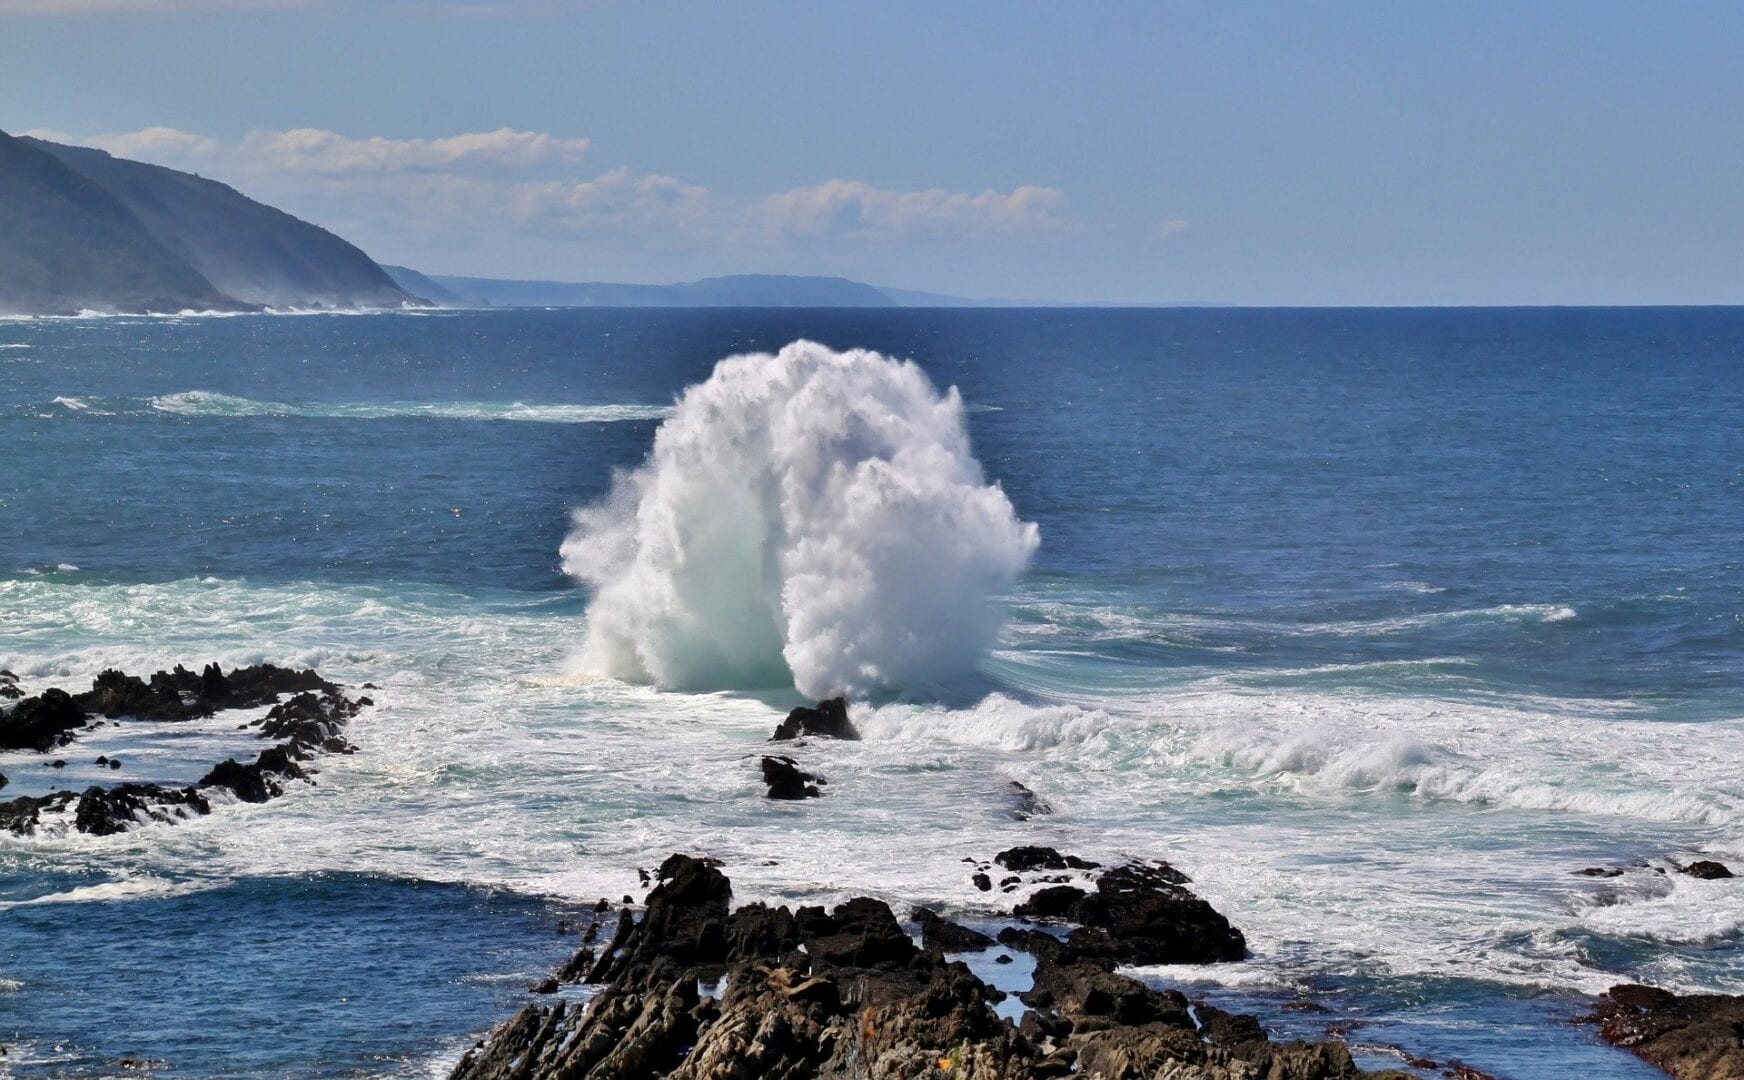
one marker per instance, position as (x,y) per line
(496,196)
(318,151)
(852,206)
(1172,228)
(163,145)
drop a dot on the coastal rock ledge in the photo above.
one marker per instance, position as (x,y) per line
(699,991)
(1691,1037)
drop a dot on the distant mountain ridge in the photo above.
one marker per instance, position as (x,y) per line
(81,229)
(739,290)
(735,290)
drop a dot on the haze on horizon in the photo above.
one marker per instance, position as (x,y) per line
(1352,153)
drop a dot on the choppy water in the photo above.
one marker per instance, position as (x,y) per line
(1379,623)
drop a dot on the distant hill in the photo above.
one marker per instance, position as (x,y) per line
(420,285)
(740,290)
(81,229)
(249,250)
(67,245)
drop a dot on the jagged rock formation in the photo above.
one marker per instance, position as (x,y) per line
(308,723)
(847,993)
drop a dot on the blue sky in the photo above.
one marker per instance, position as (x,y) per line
(1289,153)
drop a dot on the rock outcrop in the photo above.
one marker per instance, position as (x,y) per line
(308,724)
(1691,1037)
(846,993)
(829,720)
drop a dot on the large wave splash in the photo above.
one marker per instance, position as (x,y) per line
(812,515)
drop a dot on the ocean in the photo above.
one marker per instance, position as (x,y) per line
(1380,624)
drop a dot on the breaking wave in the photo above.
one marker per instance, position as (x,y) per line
(811,516)
(209,403)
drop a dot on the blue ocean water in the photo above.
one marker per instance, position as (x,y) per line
(1379,623)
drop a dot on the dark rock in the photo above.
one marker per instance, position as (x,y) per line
(2,780)
(1600,871)
(115,763)
(23,814)
(58,763)
(547,985)
(1002,958)
(257,781)
(1692,1037)
(41,722)
(829,720)
(941,933)
(1053,902)
(1141,875)
(982,882)
(115,693)
(1042,946)
(787,781)
(844,993)
(1706,869)
(1026,803)
(1022,859)
(104,812)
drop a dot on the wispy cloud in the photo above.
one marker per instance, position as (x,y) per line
(1172,228)
(491,191)
(315,150)
(852,206)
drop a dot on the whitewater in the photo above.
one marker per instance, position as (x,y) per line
(1223,588)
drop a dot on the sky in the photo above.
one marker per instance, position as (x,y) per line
(1313,153)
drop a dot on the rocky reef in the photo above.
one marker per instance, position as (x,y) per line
(306,724)
(696,989)
(1689,1036)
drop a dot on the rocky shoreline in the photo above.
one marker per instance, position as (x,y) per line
(307,718)
(694,989)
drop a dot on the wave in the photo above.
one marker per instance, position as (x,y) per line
(210,403)
(80,405)
(1103,623)
(814,517)
(110,892)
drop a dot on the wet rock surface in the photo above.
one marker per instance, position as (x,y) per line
(787,780)
(308,724)
(828,720)
(1691,1037)
(695,989)
(1707,870)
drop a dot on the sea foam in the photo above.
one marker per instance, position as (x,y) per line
(813,516)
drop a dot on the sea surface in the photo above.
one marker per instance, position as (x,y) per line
(1380,624)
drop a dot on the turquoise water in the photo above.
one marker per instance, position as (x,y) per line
(1378,623)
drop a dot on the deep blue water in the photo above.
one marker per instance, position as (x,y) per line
(1498,529)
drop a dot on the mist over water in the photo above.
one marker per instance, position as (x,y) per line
(812,516)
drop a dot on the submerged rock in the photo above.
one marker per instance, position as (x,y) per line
(829,720)
(1691,1037)
(1025,803)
